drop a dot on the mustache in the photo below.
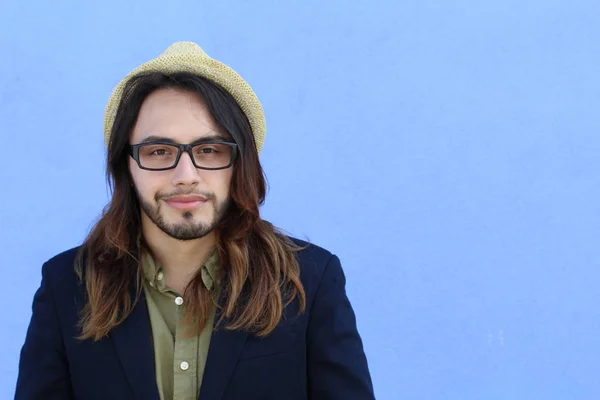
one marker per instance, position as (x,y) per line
(209,196)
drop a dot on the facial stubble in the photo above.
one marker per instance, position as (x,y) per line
(188,229)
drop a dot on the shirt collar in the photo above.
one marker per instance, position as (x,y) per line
(154,275)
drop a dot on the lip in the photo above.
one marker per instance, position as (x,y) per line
(186,202)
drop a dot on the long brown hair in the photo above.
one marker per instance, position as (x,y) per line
(259,271)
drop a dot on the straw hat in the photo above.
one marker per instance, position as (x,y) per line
(189,57)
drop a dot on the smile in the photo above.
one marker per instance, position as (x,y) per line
(186,202)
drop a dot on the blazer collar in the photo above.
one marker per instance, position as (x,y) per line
(223,353)
(133,343)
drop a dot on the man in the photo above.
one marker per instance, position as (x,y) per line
(181,290)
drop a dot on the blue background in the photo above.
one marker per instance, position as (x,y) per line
(447,151)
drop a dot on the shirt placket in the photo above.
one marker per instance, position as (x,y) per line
(185,365)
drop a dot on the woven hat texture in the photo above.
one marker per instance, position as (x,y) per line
(189,57)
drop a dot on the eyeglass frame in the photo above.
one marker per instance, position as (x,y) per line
(134,152)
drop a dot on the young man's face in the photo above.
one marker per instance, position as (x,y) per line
(185,202)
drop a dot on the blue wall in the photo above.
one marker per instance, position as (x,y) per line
(447,151)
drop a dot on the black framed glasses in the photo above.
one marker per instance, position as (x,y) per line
(160,156)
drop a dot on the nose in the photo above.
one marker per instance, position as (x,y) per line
(185,173)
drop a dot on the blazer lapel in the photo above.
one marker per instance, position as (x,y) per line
(133,343)
(223,352)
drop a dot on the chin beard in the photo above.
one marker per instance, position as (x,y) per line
(188,229)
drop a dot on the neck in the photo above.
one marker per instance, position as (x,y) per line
(180,259)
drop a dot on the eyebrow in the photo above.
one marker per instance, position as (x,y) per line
(210,138)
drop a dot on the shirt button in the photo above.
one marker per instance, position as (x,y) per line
(179,301)
(159,276)
(184,366)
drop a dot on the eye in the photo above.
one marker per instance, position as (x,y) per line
(159,152)
(207,150)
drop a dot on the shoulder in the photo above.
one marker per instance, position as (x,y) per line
(59,270)
(315,263)
(311,253)
(64,258)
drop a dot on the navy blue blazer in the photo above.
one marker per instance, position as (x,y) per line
(317,355)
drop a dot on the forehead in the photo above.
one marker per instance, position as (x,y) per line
(176,114)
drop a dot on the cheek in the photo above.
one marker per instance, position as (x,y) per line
(142,182)
(220,183)
(227,181)
(134,171)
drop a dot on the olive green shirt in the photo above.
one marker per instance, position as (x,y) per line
(179,361)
